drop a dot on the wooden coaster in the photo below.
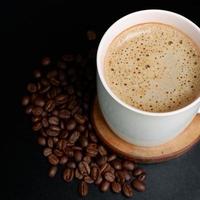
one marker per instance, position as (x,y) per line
(172,149)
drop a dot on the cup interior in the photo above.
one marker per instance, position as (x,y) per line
(145,16)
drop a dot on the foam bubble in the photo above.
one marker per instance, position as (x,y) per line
(153,67)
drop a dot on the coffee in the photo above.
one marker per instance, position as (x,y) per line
(153,67)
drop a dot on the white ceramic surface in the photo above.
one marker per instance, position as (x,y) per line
(131,124)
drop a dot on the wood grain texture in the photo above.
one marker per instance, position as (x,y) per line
(172,149)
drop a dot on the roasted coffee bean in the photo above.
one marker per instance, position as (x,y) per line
(95,173)
(63,160)
(36,119)
(45,82)
(50,105)
(69,152)
(61,99)
(87,159)
(32,88)
(76,148)
(102,150)
(52,133)
(45,89)
(83,141)
(81,128)
(52,171)
(88,179)
(127,190)
(45,61)
(105,185)
(37,73)
(78,175)
(138,185)
(72,104)
(98,180)
(76,110)
(117,164)
(25,100)
(43,133)
(53,159)
(55,113)
(120,176)
(78,156)
(138,172)
(29,109)
(45,122)
(64,134)
(53,120)
(55,140)
(71,125)
(116,187)
(80,119)
(74,136)
(110,177)
(93,137)
(58,153)
(62,125)
(112,157)
(55,128)
(44,114)
(68,174)
(37,126)
(128,165)
(50,142)
(64,114)
(83,188)
(127,175)
(47,151)
(37,111)
(102,160)
(84,168)
(41,141)
(55,82)
(71,164)
(92,149)
(103,168)
(39,101)
(142,177)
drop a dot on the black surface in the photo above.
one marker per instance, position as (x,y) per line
(51,28)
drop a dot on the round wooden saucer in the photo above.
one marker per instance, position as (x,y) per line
(172,149)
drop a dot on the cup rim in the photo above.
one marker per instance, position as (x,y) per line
(117,99)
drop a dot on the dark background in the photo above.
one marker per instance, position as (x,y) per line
(30,30)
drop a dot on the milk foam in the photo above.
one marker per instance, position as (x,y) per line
(153,67)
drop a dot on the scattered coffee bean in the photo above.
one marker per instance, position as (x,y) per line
(78,175)
(128,165)
(32,88)
(63,160)
(78,156)
(105,185)
(25,100)
(83,188)
(68,174)
(52,171)
(137,172)
(127,190)
(47,151)
(110,177)
(138,185)
(37,73)
(116,187)
(142,177)
(88,179)
(59,106)
(53,159)
(41,141)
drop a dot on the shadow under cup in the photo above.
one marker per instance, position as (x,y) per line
(131,124)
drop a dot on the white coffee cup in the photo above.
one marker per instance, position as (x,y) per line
(131,124)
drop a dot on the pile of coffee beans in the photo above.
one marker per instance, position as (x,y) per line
(58,101)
